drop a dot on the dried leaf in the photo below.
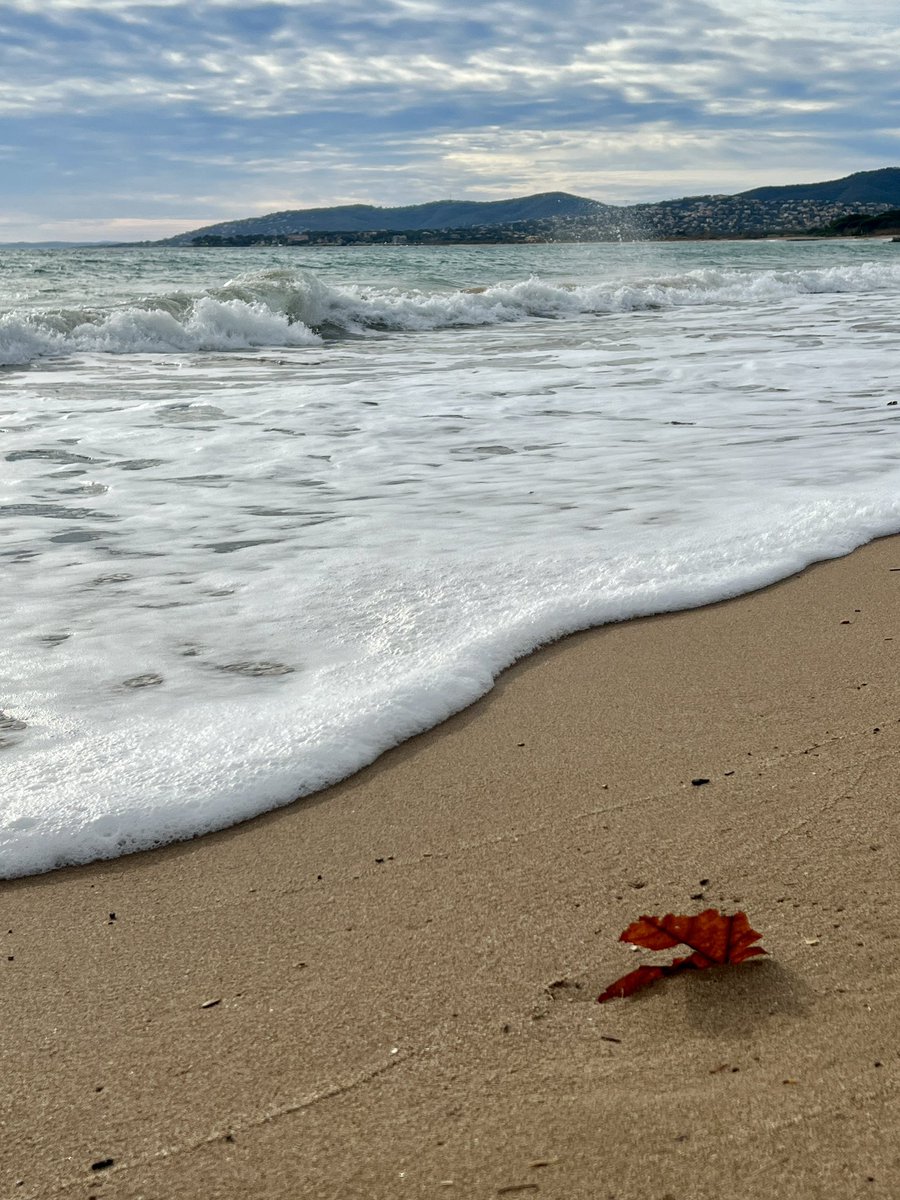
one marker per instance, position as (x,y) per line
(712,935)
(715,939)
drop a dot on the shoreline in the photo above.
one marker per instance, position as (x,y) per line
(387,988)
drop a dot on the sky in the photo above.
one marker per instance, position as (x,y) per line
(137,120)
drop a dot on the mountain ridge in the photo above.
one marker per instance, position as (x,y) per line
(433,214)
(862,191)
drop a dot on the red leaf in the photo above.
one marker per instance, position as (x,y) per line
(714,937)
(633,982)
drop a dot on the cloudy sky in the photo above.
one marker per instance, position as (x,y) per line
(129,119)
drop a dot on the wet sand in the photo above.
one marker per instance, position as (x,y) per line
(388,990)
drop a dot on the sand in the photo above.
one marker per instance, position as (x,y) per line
(388,990)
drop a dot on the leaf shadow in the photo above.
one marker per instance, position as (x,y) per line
(736,1001)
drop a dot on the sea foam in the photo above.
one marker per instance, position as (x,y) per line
(293,308)
(232,578)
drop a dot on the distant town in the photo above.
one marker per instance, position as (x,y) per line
(864,204)
(709,217)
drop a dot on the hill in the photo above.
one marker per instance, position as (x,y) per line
(790,208)
(865,187)
(439,214)
(856,225)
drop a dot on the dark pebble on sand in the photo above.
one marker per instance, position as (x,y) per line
(699,781)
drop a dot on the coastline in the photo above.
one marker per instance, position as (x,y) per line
(387,988)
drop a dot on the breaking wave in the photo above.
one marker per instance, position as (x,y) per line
(280,308)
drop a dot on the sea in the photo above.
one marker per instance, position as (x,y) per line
(267,512)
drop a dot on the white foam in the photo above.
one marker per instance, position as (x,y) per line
(279,308)
(207,324)
(230,579)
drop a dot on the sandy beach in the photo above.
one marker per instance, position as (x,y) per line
(388,990)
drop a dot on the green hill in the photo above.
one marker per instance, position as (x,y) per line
(865,187)
(795,207)
(439,214)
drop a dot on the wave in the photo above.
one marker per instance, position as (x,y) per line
(427,642)
(163,326)
(281,308)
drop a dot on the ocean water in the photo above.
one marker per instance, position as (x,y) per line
(265,513)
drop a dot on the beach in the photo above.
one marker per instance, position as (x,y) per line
(388,989)
(266,517)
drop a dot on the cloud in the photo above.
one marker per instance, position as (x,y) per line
(302,57)
(242,102)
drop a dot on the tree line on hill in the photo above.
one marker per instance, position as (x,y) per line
(832,208)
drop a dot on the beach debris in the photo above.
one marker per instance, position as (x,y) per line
(699,781)
(102,1164)
(211,1003)
(716,939)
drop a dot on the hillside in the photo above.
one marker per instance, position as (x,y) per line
(855,225)
(548,216)
(439,214)
(865,187)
